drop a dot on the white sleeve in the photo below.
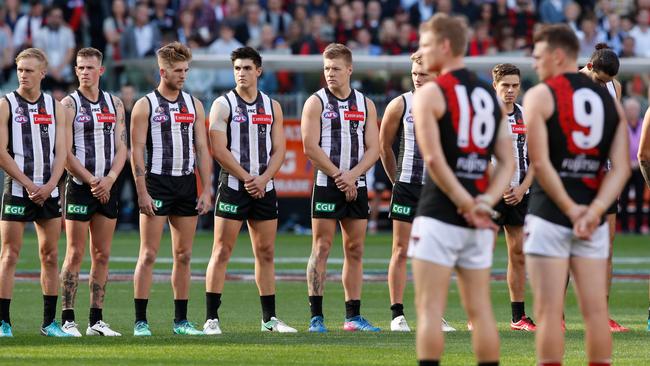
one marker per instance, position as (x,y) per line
(220,124)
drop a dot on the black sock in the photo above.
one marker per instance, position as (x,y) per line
(141,309)
(94,316)
(49,309)
(180,310)
(4,310)
(397,309)
(493,363)
(212,303)
(67,315)
(352,308)
(517,311)
(428,363)
(316,305)
(268,307)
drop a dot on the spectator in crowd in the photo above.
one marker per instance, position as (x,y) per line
(186,28)
(346,28)
(28,25)
(57,41)
(6,47)
(220,9)
(13,13)
(407,39)
(467,8)
(250,31)
(205,21)
(224,45)
(277,17)
(317,7)
(628,48)
(294,38)
(314,44)
(421,11)
(114,26)
(523,19)
(373,11)
(163,16)
(641,33)
(589,35)
(627,23)
(552,11)
(200,81)
(632,110)
(359,13)
(614,36)
(362,44)
(300,16)
(141,38)
(481,43)
(572,13)
(388,37)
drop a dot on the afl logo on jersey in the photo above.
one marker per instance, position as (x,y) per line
(160,118)
(409,119)
(21,119)
(239,118)
(83,118)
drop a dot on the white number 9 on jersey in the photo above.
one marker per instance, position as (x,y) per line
(482,127)
(594,118)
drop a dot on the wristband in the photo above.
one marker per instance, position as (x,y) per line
(112,175)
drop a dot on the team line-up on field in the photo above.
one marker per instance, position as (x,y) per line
(470,160)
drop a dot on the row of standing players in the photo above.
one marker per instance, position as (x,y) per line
(460,126)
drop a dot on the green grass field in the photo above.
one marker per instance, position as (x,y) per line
(243,343)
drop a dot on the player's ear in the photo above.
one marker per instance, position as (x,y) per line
(590,66)
(494,85)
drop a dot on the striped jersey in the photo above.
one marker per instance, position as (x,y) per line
(93,133)
(170,139)
(517,130)
(249,136)
(342,126)
(611,89)
(410,165)
(32,134)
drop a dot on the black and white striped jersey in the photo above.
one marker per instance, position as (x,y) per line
(249,136)
(410,165)
(342,126)
(93,133)
(170,140)
(32,133)
(519,145)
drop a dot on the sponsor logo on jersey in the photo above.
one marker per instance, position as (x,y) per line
(330,115)
(83,118)
(227,207)
(14,210)
(472,166)
(106,118)
(43,119)
(157,203)
(77,209)
(21,119)
(239,110)
(354,116)
(518,129)
(184,118)
(159,110)
(325,207)
(160,118)
(19,110)
(239,118)
(580,165)
(330,107)
(262,119)
(401,210)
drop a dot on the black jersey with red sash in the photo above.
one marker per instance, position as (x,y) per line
(468,131)
(580,133)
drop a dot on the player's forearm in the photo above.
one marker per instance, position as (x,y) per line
(119,160)
(224,157)
(275,163)
(138,168)
(10,168)
(644,166)
(528,180)
(57,169)
(389,162)
(612,184)
(320,160)
(499,182)
(551,183)
(77,170)
(204,166)
(369,159)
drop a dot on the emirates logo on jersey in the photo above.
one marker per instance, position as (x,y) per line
(43,119)
(106,118)
(518,129)
(184,118)
(353,115)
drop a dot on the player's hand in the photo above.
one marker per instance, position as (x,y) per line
(514,195)
(345,181)
(145,203)
(351,194)
(256,186)
(204,203)
(103,187)
(575,212)
(41,194)
(585,226)
(104,198)
(93,182)
(480,214)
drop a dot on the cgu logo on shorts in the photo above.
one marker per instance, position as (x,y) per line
(401,210)
(157,203)
(14,210)
(77,209)
(227,207)
(325,207)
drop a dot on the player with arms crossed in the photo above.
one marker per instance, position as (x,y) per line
(96,145)
(574,126)
(602,68)
(513,205)
(170,124)
(406,172)
(459,126)
(340,137)
(247,139)
(32,155)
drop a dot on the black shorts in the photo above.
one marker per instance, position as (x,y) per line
(239,205)
(25,210)
(173,196)
(330,203)
(512,215)
(81,205)
(404,201)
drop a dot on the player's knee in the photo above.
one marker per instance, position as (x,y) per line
(100,258)
(9,257)
(354,251)
(182,257)
(74,256)
(322,249)
(49,257)
(148,258)
(265,253)
(222,255)
(399,251)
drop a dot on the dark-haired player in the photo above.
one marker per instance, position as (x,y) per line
(574,126)
(459,125)
(247,139)
(602,68)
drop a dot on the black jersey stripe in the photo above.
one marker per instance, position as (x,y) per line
(185,135)
(89,136)
(166,136)
(45,138)
(261,136)
(28,143)
(335,135)
(109,128)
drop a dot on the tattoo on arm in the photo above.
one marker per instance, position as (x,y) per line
(645,170)
(97,292)
(69,284)
(123,136)
(68,103)
(139,172)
